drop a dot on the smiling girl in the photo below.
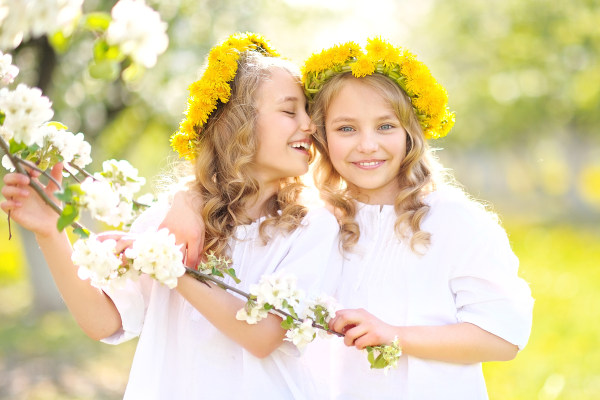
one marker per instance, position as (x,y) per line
(249,134)
(425,265)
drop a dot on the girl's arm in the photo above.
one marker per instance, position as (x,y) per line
(462,343)
(184,221)
(220,307)
(92,309)
(217,306)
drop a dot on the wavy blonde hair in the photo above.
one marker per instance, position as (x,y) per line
(226,150)
(419,172)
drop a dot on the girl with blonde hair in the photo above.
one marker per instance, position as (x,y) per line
(425,266)
(248,132)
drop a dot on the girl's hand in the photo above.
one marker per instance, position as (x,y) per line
(26,207)
(124,239)
(184,221)
(362,329)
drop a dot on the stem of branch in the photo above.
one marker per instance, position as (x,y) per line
(205,277)
(35,167)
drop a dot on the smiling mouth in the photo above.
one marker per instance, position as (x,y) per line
(368,164)
(302,146)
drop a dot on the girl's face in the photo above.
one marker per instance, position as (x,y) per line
(366,142)
(283,127)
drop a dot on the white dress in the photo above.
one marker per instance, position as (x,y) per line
(469,274)
(180,355)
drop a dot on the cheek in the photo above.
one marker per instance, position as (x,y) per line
(336,151)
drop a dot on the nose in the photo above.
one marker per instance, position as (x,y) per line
(367,142)
(307,125)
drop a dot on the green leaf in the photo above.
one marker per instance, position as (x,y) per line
(216,272)
(105,70)
(97,21)
(2,117)
(370,356)
(231,273)
(82,232)
(16,146)
(380,362)
(67,217)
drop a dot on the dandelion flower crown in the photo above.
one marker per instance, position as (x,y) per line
(428,97)
(214,88)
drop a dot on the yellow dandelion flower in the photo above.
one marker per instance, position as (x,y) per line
(362,67)
(377,49)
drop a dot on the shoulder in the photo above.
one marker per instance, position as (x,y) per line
(320,218)
(451,209)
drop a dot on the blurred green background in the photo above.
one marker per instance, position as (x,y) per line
(524,80)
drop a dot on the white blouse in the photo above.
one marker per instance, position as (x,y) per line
(180,355)
(468,274)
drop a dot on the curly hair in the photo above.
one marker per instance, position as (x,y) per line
(419,172)
(225,154)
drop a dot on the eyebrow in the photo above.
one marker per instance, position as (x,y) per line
(287,99)
(345,118)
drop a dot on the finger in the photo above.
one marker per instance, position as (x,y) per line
(353,334)
(191,256)
(16,179)
(341,319)
(123,245)
(367,339)
(14,192)
(56,173)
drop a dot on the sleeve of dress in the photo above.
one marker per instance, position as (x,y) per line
(132,299)
(488,291)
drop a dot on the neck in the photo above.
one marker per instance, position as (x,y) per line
(256,207)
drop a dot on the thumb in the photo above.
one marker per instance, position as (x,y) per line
(55,173)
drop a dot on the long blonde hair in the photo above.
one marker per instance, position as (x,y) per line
(226,149)
(419,172)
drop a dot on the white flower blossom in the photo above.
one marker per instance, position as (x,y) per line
(8,72)
(123,176)
(138,31)
(101,200)
(6,163)
(251,315)
(274,289)
(156,254)
(98,262)
(72,147)
(26,112)
(302,334)
(20,20)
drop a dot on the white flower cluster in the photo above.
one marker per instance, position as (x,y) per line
(8,71)
(302,334)
(273,291)
(72,147)
(26,112)
(123,177)
(138,31)
(152,253)
(98,262)
(278,293)
(156,254)
(109,194)
(22,19)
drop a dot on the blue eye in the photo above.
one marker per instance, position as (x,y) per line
(345,129)
(386,126)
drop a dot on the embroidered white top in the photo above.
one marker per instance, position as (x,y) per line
(468,274)
(180,355)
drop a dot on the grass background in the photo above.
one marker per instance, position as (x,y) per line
(48,357)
